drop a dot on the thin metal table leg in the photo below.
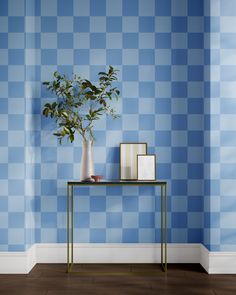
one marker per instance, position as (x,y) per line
(161,226)
(68,228)
(72,225)
(165,201)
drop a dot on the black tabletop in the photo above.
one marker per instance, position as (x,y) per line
(118,182)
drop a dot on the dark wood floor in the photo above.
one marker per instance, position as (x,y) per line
(51,279)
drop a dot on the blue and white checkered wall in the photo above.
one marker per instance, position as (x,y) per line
(220,118)
(158,46)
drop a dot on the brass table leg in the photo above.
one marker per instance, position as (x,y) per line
(164,227)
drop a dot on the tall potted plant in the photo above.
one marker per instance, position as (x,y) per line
(79,104)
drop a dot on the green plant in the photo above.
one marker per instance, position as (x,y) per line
(80,103)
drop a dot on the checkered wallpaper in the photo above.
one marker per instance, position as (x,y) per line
(220,118)
(158,46)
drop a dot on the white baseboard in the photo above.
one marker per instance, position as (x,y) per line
(219,262)
(23,262)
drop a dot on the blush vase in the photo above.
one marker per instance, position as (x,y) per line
(87,165)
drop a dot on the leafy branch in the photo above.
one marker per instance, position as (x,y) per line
(80,103)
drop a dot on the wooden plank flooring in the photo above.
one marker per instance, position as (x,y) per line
(51,279)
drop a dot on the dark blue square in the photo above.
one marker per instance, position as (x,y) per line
(16,89)
(82,219)
(48,57)
(130,40)
(132,136)
(179,219)
(179,122)
(61,235)
(179,24)
(3,236)
(114,57)
(163,138)
(146,24)
(3,41)
(16,219)
(195,138)
(195,41)
(16,154)
(65,8)
(3,76)
(163,40)
(114,220)
(179,89)
(163,171)
(179,154)
(49,187)
(100,138)
(16,57)
(195,171)
(48,220)
(146,57)
(146,220)
(4,171)
(130,236)
(3,138)
(163,106)
(98,40)
(81,57)
(65,171)
(195,235)
(114,24)
(179,187)
(195,73)
(48,155)
(97,235)
(61,204)
(163,8)
(130,73)
(81,24)
(4,8)
(195,105)
(130,8)
(48,24)
(97,8)
(3,203)
(195,8)
(97,203)
(179,56)
(65,40)
(163,73)
(3,104)
(195,203)
(130,203)
(113,191)
(16,24)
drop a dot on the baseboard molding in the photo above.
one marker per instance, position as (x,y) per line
(23,262)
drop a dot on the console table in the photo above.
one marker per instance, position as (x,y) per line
(70,214)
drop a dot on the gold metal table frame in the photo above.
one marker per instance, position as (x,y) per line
(70,215)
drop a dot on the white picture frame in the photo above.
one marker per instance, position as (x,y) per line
(128,159)
(146,167)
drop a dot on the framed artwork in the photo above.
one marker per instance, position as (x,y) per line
(128,159)
(146,167)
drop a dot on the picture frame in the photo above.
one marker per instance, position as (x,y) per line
(128,159)
(146,167)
